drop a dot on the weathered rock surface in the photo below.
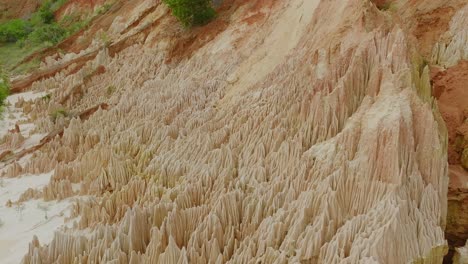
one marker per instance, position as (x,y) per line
(291,131)
(449,79)
(461,255)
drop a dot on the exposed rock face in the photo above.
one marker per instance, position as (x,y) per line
(450,90)
(457,218)
(462,255)
(449,79)
(292,131)
(82,8)
(453,45)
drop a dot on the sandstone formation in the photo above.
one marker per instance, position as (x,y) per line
(449,79)
(298,131)
(462,255)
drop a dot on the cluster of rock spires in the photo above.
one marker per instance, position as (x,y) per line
(291,131)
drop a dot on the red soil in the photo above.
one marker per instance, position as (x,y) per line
(450,89)
(189,42)
(430,26)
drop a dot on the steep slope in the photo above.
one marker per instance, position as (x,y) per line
(282,132)
(449,78)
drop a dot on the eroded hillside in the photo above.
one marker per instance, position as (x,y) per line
(296,131)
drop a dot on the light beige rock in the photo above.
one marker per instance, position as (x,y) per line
(448,54)
(461,255)
(309,137)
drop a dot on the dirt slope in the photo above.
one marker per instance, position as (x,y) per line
(10,9)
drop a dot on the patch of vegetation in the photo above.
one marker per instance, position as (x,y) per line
(192,12)
(45,208)
(46,97)
(111,89)
(20,207)
(4,89)
(104,38)
(53,33)
(41,27)
(387,6)
(60,112)
(12,53)
(20,37)
(45,13)
(14,30)
(27,66)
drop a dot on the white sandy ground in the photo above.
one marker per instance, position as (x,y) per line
(18,226)
(12,115)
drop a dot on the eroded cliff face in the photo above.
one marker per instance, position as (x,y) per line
(450,79)
(282,132)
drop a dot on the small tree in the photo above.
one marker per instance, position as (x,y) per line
(45,13)
(14,30)
(52,33)
(20,208)
(192,12)
(44,208)
(4,88)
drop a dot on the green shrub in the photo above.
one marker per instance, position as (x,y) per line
(41,27)
(46,13)
(60,112)
(14,30)
(53,33)
(21,37)
(4,89)
(3,93)
(47,10)
(46,97)
(192,12)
